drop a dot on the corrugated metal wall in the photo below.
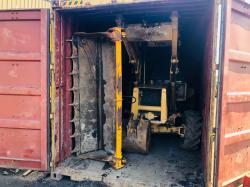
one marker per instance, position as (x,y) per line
(23,89)
(23,4)
(82,3)
(234,139)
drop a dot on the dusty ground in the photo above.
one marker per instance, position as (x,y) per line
(13,178)
(166,165)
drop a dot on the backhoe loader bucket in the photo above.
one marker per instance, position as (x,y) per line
(138,135)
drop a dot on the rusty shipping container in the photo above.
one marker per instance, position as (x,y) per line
(41,127)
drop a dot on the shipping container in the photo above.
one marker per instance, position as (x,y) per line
(24,4)
(65,90)
(24,83)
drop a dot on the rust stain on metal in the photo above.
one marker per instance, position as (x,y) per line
(109,82)
(138,137)
(67,84)
(235,107)
(24,86)
(119,116)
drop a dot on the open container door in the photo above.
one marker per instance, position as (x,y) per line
(24,89)
(234,138)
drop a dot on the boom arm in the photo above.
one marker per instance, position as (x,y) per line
(174,70)
(133,58)
(164,33)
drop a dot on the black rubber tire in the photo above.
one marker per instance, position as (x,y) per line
(193,124)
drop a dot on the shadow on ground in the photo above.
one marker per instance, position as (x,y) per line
(165,165)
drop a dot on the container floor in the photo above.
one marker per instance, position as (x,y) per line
(165,165)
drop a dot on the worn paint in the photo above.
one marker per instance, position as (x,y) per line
(75,102)
(235,98)
(209,112)
(24,89)
(58,92)
(109,70)
(93,64)
(63,85)
(118,90)
(66,143)
(87,103)
(52,90)
(234,141)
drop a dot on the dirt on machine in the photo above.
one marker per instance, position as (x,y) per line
(154,106)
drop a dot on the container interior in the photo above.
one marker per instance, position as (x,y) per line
(195,48)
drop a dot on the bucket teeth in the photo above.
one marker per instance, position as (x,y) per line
(75,135)
(73,104)
(74,120)
(75,150)
(74,73)
(74,89)
(72,57)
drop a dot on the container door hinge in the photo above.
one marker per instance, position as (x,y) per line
(51,116)
(51,67)
(216,90)
(51,164)
(213,133)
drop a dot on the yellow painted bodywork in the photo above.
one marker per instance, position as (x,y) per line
(136,107)
(160,129)
(118,90)
(24,4)
(157,127)
(52,90)
(164,107)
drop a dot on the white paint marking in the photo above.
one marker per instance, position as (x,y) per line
(230,181)
(239,52)
(217,58)
(230,135)
(238,93)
